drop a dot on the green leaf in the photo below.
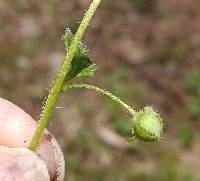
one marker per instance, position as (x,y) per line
(89,71)
(78,65)
(82,66)
(68,38)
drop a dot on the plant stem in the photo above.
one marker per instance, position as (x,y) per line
(102,91)
(65,68)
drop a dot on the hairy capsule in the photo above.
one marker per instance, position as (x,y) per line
(147,125)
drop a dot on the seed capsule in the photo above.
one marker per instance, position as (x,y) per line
(147,125)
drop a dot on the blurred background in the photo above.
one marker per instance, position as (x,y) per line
(147,52)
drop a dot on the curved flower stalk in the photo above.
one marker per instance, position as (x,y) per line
(146,124)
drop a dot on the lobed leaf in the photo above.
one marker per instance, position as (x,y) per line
(82,66)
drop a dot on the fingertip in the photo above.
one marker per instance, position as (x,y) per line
(21,164)
(17,128)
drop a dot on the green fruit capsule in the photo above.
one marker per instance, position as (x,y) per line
(147,125)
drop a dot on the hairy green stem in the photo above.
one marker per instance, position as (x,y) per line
(102,91)
(65,68)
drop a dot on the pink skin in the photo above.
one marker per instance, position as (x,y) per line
(17,128)
(20,164)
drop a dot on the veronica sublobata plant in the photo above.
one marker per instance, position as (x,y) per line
(146,123)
